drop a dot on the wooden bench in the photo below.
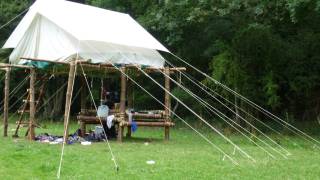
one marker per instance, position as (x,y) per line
(141,119)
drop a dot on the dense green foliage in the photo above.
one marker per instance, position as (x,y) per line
(266,50)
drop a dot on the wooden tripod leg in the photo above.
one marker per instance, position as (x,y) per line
(72,74)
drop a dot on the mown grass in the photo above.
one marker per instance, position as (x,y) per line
(185,156)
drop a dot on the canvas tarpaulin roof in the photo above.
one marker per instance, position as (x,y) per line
(57,30)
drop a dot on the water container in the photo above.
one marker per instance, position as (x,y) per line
(103,111)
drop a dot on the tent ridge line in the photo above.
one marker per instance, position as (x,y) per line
(103,65)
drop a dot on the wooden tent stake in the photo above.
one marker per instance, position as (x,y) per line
(6,102)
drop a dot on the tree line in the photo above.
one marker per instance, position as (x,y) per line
(267,51)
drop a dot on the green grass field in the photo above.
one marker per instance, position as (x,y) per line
(185,156)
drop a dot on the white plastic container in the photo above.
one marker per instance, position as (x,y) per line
(103,111)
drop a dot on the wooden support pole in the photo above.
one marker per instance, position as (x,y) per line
(31,134)
(45,60)
(130,102)
(88,64)
(90,118)
(123,91)
(130,93)
(71,77)
(152,124)
(167,102)
(6,102)
(122,103)
(4,65)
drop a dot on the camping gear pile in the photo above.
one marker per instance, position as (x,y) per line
(93,136)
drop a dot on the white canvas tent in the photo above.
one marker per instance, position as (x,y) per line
(57,30)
